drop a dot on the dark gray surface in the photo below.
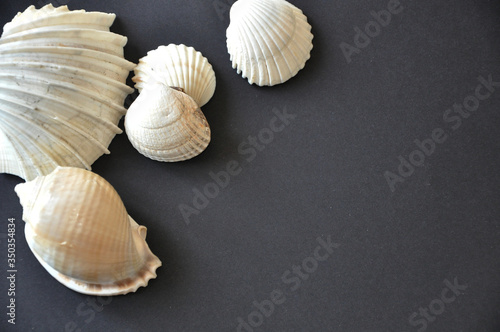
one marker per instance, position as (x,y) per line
(395,252)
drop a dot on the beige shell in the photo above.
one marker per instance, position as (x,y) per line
(79,230)
(178,66)
(165,124)
(269,41)
(62,89)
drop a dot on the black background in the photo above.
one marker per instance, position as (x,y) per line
(323,175)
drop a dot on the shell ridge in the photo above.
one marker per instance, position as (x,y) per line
(246,63)
(8,163)
(66,124)
(111,40)
(50,135)
(88,53)
(262,66)
(67,103)
(65,42)
(101,20)
(269,35)
(36,167)
(110,70)
(68,71)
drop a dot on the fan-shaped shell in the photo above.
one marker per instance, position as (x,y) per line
(79,230)
(62,89)
(178,66)
(165,124)
(269,41)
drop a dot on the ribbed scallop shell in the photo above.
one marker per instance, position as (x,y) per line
(165,124)
(269,41)
(62,89)
(178,66)
(79,230)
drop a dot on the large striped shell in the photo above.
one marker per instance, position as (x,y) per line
(269,41)
(79,230)
(62,89)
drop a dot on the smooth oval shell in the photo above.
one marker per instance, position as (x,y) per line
(165,124)
(269,41)
(178,66)
(79,230)
(62,89)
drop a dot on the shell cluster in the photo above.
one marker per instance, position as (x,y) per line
(79,230)
(269,41)
(62,89)
(165,122)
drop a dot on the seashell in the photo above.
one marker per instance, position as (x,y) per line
(79,230)
(178,66)
(166,124)
(269,41)
(62,89)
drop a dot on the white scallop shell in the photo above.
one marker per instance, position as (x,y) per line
(165,124)
(62,89)
(269,41)
(178,66)
(79,230)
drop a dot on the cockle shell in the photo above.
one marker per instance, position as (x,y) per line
(269,41)
(79,230)
(166,124)
(178,66)
(62,89)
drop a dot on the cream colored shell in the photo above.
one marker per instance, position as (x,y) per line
(62,89)
(178,66)
(79,230)
(165,124)
(269,41)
